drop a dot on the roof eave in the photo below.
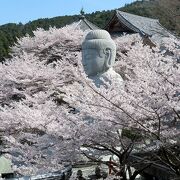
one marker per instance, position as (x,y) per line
(108,24)
(129,25)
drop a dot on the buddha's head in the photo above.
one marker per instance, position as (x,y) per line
(98,52)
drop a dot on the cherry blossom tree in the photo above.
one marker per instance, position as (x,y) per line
(50,109)
(149,105)
(31,100)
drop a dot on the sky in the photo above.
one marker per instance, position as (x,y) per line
(16,11)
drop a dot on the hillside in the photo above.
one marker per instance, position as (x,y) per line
(167,11)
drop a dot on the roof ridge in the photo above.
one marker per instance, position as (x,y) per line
(89,23)
(157,20)
(130,24)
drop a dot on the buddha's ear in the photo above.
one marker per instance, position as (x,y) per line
(108,61)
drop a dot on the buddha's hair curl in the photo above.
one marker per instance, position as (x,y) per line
(98,39)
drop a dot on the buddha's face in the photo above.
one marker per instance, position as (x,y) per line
(93,61)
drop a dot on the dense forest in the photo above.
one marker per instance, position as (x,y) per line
(167,11)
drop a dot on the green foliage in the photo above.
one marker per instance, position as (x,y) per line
(167,11)
(8,36)
(100,18)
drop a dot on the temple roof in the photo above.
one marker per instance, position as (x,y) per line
(84,24)
(126,22)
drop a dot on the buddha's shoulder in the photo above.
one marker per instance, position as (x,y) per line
(111,74)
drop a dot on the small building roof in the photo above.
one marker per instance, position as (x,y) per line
(126,22)
(84,24)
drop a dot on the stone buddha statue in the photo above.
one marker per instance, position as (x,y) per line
(98,57)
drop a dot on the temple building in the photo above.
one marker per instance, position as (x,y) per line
(150,29)
(84,24)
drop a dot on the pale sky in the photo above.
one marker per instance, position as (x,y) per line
(15,11)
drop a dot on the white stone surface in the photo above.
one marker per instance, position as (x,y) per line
(5,165)
(98,57)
